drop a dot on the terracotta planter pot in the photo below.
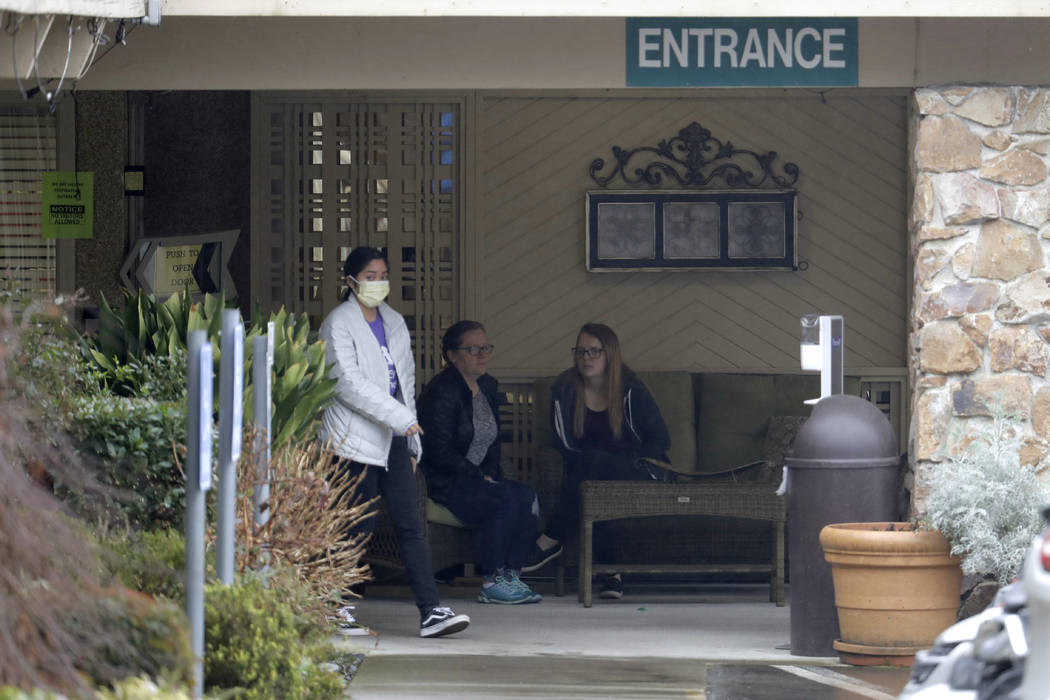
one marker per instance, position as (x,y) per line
(896,588)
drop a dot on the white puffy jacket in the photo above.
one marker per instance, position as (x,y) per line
(360,423)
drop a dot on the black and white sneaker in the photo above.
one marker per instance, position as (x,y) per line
(346,624)
(612,588)
(539,558)
(441,621)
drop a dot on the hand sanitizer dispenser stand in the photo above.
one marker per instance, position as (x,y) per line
(821,351)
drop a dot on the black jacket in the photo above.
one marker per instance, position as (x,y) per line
(446,415)
(642,421)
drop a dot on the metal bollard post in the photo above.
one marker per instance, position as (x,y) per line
(198,481)
(231,392)
(262,409)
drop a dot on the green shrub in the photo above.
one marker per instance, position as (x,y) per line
(301,386)
(52,368)
(134,441)
(158,377)
(257,643)
(150,562)
(133,634)
(147,327)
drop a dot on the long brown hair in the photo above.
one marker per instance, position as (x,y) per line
(614,369)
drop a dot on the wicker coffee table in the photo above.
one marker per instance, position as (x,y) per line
(615,500)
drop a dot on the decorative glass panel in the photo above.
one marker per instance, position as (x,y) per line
(690,230)
(628,231)
(756,230)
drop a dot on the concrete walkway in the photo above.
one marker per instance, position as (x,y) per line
(705,642)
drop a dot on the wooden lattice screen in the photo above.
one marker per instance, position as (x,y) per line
(328,176)
(517,417)
(28,146)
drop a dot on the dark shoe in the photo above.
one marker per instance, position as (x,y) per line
(612,588)
(539,558)
(441,621)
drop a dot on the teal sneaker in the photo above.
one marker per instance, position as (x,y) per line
(515,579)
(503,592)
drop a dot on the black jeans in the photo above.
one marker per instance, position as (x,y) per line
(505,513)
(397,484)
(589,466)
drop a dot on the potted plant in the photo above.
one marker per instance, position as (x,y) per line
(896,589)
(897,585)
(985,501)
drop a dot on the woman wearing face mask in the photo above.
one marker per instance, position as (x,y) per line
(372,422)
(605,425)
(460,417)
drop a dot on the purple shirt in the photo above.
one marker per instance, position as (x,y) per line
(380,333)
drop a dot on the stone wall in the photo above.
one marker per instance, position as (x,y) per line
(980,235)
(102,137)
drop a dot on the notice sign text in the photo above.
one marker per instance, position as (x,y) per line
(674,52)
(68,201)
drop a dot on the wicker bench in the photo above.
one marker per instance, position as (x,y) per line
(614,500)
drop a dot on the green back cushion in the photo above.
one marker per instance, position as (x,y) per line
(673,392)
(734,411)
(793,389)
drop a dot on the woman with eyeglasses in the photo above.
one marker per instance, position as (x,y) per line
(371,426)
(459,413)
(605,425)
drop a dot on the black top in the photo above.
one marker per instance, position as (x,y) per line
(446,415)
(598,434)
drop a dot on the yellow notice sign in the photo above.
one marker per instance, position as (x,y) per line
(174,269)
(68,201)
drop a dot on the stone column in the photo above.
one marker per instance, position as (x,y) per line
(980,314)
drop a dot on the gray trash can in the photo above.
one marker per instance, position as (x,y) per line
(844,467)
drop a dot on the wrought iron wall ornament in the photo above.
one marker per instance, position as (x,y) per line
(686,158)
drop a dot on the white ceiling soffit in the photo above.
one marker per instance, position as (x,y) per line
(606,8)
(80,8)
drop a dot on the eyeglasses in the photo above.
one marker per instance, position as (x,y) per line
(475,350)
(593,353)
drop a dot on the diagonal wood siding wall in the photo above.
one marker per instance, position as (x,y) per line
(534,292)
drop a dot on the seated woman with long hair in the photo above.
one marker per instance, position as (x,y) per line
(605,424)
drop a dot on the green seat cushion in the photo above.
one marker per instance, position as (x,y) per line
(437,513)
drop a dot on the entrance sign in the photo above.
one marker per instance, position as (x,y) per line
(68,201)
(675,52)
